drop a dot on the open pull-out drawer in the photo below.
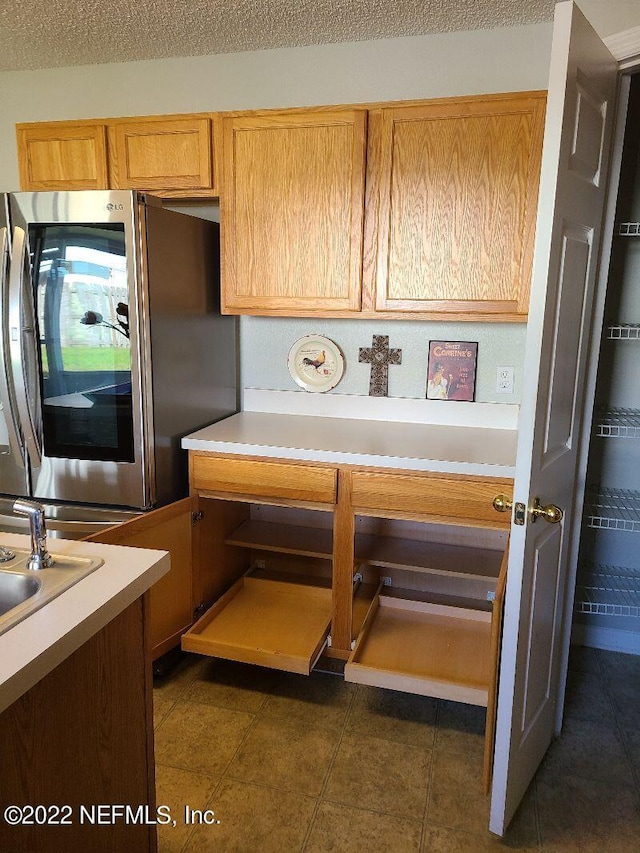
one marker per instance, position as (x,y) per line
(425,648)
(418,642)
(422,641)
(267,622)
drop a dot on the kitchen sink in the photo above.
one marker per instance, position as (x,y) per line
(15,588)
(23,591)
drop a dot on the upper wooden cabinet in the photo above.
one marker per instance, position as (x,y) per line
(170,156)
(449,214)
(422,209)
(451,205)
(62,156)
(292,211)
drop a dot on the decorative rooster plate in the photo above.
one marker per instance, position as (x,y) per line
(315,363)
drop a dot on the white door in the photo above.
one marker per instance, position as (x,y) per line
(578,131)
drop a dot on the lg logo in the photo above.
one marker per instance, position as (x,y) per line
(115,206)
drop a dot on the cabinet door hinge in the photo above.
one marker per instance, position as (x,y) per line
(198,610)
(196,516)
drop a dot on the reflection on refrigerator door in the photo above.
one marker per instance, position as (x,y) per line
(112,348)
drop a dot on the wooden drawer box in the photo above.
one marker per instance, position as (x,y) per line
(469,500)
(425,648)
(265,622)
(259,479)
(433,645)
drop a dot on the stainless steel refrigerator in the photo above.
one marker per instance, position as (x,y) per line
(112,349)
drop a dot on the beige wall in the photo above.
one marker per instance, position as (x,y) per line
(611,16)
(421,67)
(510,59)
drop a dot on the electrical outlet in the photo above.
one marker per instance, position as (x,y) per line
(504,380)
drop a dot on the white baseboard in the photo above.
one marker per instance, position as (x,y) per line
(609,639)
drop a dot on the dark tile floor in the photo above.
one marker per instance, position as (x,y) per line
(289,763)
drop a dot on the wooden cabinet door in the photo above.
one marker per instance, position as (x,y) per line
(167,155)
(451,206)
(292,206)
(62,156)
(171,598)
(83,735)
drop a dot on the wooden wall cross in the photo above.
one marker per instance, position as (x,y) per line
(379,356)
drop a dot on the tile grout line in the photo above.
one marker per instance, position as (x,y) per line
(260,714)
(223,776)
(620,730)
(175,702)
(370,809)
(615,728)
(160,723)
(328,773)
(243,740)
(432,762)
(536,812)
(179,696)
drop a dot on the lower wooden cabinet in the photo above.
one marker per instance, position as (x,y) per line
(432,565)
(398,574)
(171,598)
(82,737)
(278,611)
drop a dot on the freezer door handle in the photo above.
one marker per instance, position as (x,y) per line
(18,276)
(7,395)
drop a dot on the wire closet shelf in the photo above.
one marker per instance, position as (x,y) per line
(608,591)
(617,423)
(613,509)
(624,332)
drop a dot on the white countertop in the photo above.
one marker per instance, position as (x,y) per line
(441,448)
(35,646)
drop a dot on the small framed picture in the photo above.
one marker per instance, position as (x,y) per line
(451,370)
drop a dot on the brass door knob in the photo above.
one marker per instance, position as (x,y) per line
(501,503)
(551,513)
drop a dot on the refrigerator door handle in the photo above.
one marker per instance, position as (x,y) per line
(17,330)
(7,396)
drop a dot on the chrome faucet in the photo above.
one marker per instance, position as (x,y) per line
(40,557)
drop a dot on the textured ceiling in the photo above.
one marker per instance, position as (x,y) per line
(51,33)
